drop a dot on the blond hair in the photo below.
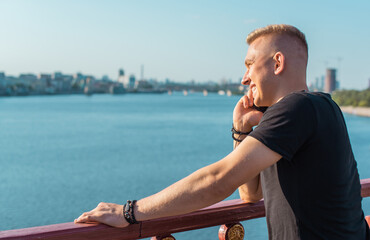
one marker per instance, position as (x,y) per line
(279,29)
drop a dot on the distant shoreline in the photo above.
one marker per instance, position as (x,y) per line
(359,111)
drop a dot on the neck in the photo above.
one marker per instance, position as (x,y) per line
(285,90)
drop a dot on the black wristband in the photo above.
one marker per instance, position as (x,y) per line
(128,212)
(235,139)
(234,131)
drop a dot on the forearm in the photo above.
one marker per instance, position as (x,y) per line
(251,191)
(204,187)
(200,189)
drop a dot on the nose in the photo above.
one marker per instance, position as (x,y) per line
(246,79)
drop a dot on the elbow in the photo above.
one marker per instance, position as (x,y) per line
(251,198)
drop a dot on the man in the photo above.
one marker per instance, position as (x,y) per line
(298,158)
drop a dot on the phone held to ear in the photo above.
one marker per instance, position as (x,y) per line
(261,109)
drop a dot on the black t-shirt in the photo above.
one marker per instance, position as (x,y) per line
(317,174)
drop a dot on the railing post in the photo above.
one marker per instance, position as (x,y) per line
(233,231)
(166,237)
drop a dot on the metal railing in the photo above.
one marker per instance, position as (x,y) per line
(226,213)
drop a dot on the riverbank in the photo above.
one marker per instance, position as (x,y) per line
(359,111)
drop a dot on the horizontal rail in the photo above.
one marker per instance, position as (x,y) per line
(221,213)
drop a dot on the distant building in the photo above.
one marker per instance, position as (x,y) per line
(330,80)
(46,77)
(322,83)
(89,85)
(142,72)
(78,82)
(122,78)
(368,87)
(2,78)
(132,82)
(45,84)
(61,82)
(2,83)
(143,84)
(29,76)
(105,78)
(317,84)
(28,80)
(121,72)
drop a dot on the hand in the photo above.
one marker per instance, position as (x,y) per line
(107,213)
(245,116)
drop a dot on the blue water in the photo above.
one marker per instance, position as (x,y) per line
(61,155)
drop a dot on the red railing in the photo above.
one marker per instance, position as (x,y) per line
(225,212)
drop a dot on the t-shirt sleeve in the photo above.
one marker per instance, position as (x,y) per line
(287,125)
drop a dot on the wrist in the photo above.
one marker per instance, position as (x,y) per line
(240,127)
(241,130)
(129,212)
(239,136)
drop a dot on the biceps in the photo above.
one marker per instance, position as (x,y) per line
(246,162)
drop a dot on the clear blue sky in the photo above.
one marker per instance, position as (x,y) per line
(181,40)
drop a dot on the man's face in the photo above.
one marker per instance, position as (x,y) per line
(260,65)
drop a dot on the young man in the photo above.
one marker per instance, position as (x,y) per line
(298,158)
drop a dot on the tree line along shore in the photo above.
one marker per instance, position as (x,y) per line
(353,101)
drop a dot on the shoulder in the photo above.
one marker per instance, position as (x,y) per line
(294,103)
(288,124)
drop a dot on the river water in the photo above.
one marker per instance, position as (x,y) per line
(62,155)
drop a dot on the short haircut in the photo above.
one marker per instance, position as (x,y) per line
(278,29)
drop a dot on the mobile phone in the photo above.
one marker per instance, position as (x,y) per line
(261,109)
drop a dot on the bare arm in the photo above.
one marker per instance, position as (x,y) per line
(204,187)
(210,184)
(244,118)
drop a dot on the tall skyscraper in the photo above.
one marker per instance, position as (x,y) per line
(322,83)
(330,80)
(317,84)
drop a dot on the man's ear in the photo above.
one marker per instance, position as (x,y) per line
(279,61)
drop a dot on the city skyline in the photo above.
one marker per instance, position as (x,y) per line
(176,40)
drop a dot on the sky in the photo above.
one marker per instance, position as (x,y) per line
(198,40)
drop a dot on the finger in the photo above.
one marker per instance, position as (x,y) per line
(244,100)
(84,215)
(250,96)
(84,219)
(87,217)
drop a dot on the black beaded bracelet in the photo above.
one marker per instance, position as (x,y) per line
(235,139)
(128,212)
(234,131)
